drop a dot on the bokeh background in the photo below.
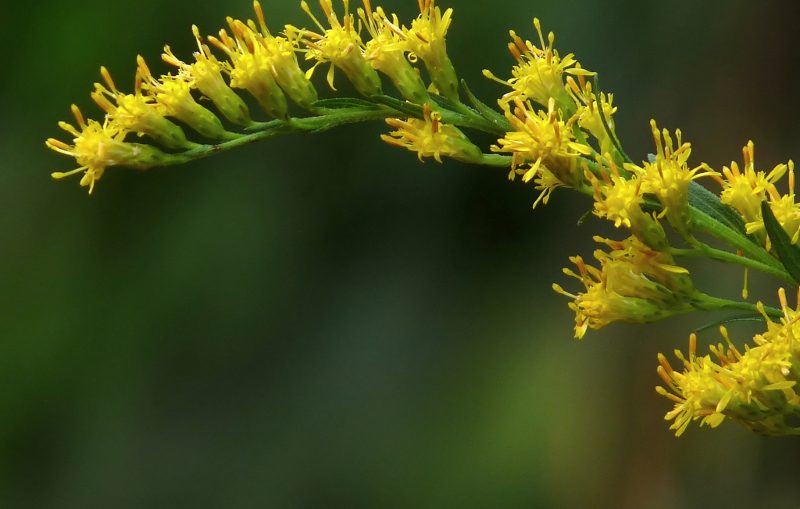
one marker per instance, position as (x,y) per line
(324,322)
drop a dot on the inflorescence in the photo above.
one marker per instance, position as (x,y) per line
(553,127)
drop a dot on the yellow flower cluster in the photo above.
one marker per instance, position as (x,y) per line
(430,138)
(744,190)
(554,129)
(757,386)
(634,283)
(552,113)
(562,135)
(266,66)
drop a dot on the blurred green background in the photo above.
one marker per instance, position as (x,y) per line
(324,322)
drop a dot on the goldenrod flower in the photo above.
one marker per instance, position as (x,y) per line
(425,39)
(756,387)
(431,138)
(257,57)
(620,199)
(97,146)
(341,46)
(174,94)
(668,176)
(541,139)
(250,68)
(633,284)
(786,211)
(138,113)
(590,119)
(745,189)
(539,73)
(205,74)
(386,52)
(616,198)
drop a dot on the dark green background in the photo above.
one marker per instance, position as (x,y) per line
(324,322)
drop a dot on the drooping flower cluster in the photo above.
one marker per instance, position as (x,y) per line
(251,58)
(554,129)
(756,386)
(634,283)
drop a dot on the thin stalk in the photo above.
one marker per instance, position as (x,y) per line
(725,256)
(320,123)
(707,302)
(708,225)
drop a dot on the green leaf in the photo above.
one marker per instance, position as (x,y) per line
(444,102)
(606,127)
(485,111)
(343,103)
(749,317)
(788,253)
(405,107)
(707,202)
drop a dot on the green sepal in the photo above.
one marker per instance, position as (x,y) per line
(788,253)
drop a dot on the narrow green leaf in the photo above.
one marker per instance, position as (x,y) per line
(444,102)
(788,254)
(606,127)
(708,203)
(485,111)
(410,109)
(344,103)
(750,317)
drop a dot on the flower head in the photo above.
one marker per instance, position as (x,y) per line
(341,46)
(205,74)
(250,67)
(786,212)
(138,113)
(432,138)
(425,39)
(756,387)
(541,139)
(616,198)
(633,284)
(97,146)
(591,115)
(539,73)
(257,58)
(668,175)
(745,189)
(174,94)
(620,200)
(386,53)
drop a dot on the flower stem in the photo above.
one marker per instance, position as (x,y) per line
(704,250)
(706,302)
(331,118)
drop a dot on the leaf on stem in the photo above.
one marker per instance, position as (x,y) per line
(485,110)
(344,103)
(788,253)
(405,107)
(749,317)
(708,203)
